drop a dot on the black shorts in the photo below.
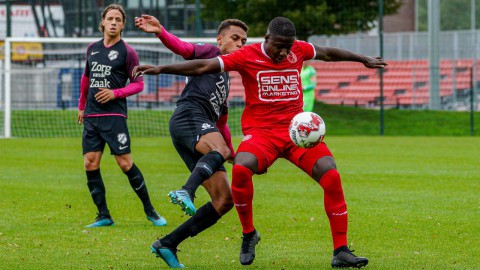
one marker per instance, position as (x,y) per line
(111,130)
(187,124)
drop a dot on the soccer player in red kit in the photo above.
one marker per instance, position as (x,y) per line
(271,76)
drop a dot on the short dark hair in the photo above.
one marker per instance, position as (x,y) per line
(106,10)
(281,26)
(229,22)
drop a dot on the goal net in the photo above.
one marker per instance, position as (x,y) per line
(40,79)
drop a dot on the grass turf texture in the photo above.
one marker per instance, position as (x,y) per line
(413,204)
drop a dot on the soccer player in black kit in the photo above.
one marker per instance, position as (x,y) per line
(102,109)
(200,133)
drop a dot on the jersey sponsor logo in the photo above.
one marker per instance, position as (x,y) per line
(100,71)
(276,85)
(206,126)
(122,138)
(97,84)
(104,69)
(112,55)
(122,147)
(93,53)
(292,58)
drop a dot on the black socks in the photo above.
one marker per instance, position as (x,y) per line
(206,166)
(137,183)
(97,191)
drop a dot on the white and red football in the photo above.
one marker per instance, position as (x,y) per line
(307,129)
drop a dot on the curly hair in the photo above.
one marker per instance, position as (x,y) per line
(281,26)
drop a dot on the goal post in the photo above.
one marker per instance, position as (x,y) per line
(39,89)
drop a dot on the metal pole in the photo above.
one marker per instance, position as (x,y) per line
(434,52)
(198,24)
(472,123)
(9,19)
(473,93)
(380,71)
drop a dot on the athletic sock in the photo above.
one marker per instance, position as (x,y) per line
(242,191)
(137,183)
(339,249)
(205,167)
(205,217)
(335,207)
(97,191)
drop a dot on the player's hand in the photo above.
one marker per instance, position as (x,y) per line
(104,95)
(148,24)
(374,62)
(145,70)
(80,117)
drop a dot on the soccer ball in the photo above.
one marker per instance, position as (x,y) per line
(307,129)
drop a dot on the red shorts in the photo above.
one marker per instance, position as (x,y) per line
(268,145)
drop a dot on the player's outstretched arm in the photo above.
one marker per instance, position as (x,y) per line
(187,68)
(148,24)
(336,54)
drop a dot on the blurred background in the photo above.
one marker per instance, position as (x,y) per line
(431,47)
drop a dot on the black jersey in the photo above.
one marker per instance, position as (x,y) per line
(109,67)
(209,91)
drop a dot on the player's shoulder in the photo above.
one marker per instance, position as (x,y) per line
(128,48)
(122,42)
(205,50)
(303,47)
(94,44)
(302,43)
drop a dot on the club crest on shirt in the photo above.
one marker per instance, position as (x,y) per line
(122,138)
(112,55)
(292,58)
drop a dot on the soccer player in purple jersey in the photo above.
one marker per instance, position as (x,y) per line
(102,109)
(200,133)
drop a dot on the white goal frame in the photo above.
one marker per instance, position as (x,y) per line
(8,63)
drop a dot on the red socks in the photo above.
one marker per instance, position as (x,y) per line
(242,191)
(334,202)
(335,207)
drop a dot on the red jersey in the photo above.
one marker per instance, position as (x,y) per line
(273,91)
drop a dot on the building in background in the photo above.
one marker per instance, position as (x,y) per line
(404,20)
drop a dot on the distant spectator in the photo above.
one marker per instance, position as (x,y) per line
(309,81)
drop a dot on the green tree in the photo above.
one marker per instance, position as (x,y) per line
(454,14)
(311,17)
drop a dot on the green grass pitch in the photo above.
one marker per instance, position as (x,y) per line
(413,204)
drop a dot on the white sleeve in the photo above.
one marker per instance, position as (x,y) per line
(222,66)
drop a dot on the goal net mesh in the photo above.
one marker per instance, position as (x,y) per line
(44,79)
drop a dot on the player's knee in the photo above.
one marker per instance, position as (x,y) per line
(124,165)
(322,166)
(331,182)
(223,204)
(241,177)
(90,164)
(225,152)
